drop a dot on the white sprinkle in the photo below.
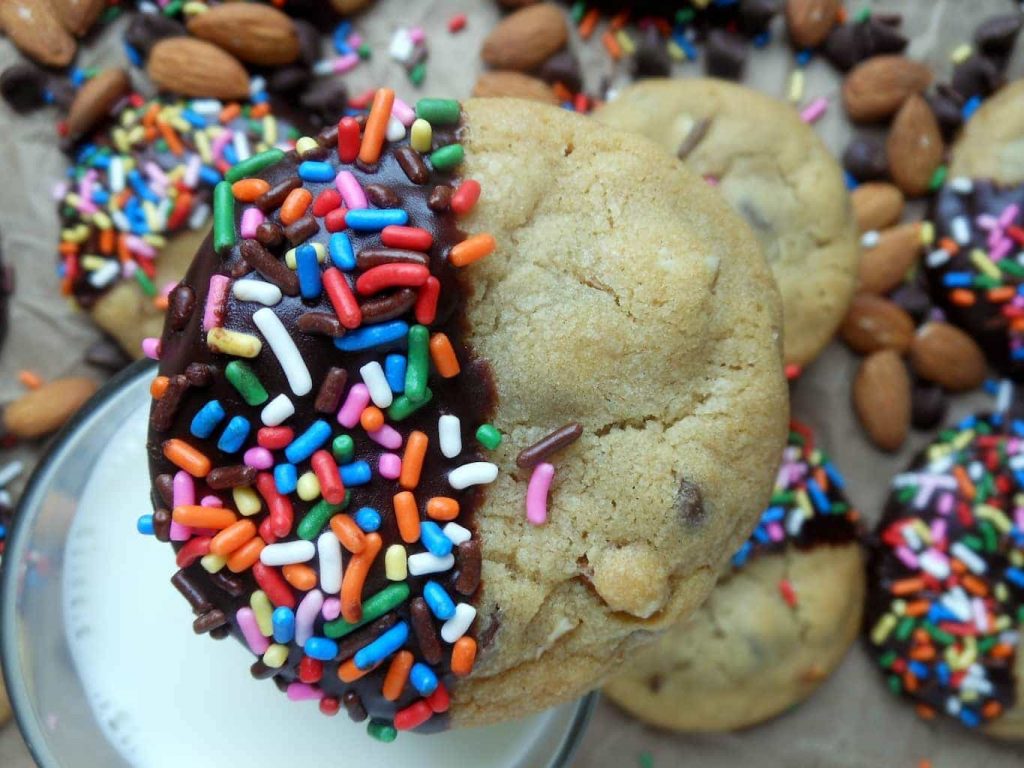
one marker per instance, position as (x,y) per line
(958,603)
(377,383)
(424,562)
(401,46)
(192,168)
(122,223)
(1005,396)
(284,350)
(207,106)
(456,533)
(242,149)
(934,563)
(323,67)
(257,85)
(953,706)
(937,258)
(458,624)
(199,216)
(10,471)
(288,553)
(328,550)
(115,174)
(105,275)
(449,433)
(869,239)
(962,185)
(396,131)
(256,290)
(474,473)
(968,557)
(277,411)
(960,228)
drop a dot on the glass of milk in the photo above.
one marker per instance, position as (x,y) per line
(101,662)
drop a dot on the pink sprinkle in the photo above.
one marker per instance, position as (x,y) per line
(252,217)
(303,692)
(351,192)
(60,189)
(908,557)
(1001,249)
(156,174)
(537,494)
(387,436)
(1019,517)
(345,63)
(222,140)
(183,494)
(355,40)
(257,643)
(403,112)
(306,614)
(938,532)
(1007,216)
(151,347)
(775,531)
(211,501)
(216,302)
(814,111)
(417,35)
(140,247)
(390,466)
(712,180)
(259,458)
(192,168)
(331,609)
(354,405)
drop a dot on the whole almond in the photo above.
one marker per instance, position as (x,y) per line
(257,34)
(95,99)
(876,205)
(883,266)
(944,354)
(877,87)
(525,38)
(810,21)
(345,7)
(914,146)
(34,28)
(78,16)
(192,67)
(514,85)
(45,410)
(873,323)
(881,398)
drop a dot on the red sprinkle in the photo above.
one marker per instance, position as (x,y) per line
(193,550)
(310,670)
(465,197)
(327,201)
(326,470)
(396,275)
(439,700)
(329,706)
(788,593)
(272,582)
(335,220)
(275,438)
(457,23)
(426,301)
(413,716)
(408,238)
(342,298)
(348,139)
(266,533)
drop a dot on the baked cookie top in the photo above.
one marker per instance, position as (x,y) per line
(992,143)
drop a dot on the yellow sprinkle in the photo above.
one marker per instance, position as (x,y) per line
(213,563)
(1001,592)
(922,530)
(276,656)
(796,86)
(984,263)
(308,487)
(263,611)
(994,516)
(804,502)
(120,139)
(234,343)
(101,220)
(194,8)
(203,148)
(306,144)
(395,567)
(961,53)
(927,231)
(157,241)
(625,42)
(152,214)
(269,130)
(92,262)
(962,439)
(1017,557)
(247,501)
(899,607)
(321,255)
(1004,622)
(74,235)
(883,628)
(421,136)
(675,52)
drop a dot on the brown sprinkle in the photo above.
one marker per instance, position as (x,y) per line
(320,323)
(426,632)
(440,198)
(468,558)
(368,258)
(233,476)
(271,199)
(167,406)
(556,441)
(388,307)
(191,591)
(328,399)
(411,162)
(277,272)
(354,706)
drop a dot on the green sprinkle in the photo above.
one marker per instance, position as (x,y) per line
(381,730)
(403,407)
(862,15)
(489,437)
(578,9)
(646,760)
(242,378)
(344,449)
(145,283)
(894,684)
(887,659)
(418,367)
(939,635)
(254,165)
(986,644)
(374,607)
(418,73)
(446,158)
(439,111)
(905,628)
(938,178)
(317,517)
(223,217)
(173,8)
(364,51)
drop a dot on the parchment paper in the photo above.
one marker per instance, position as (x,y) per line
(852,720)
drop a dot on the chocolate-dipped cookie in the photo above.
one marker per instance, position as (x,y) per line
(457,406)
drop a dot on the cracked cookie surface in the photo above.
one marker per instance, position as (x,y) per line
(992,143)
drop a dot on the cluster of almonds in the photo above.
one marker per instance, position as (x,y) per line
(891,316)
(47,30)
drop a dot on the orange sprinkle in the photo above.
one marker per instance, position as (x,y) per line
(151,114)
(589,23)
(974,585)
(463,656)
(248,190)
(68,248)
(907,586)
(991,709)
(611,45)
(195,516)
(962,297)
(245,557)
(949,245)
(398,673)
(472,249)
(230,112)
(376,125)
(925,712)
(910,683)
(124,253)
(30,379)
(349,534)
(161,302)
(412,460)
(232,537)
(561,92)
(442,508)
(158,386)
(300,576)
(407,515)
(1001,294)
(295,205)
(962,480)
(1017,324)
(924,653)
(261,110)
(841,15)
(921,637)
(924,763)
(355,577)
(150,132)
(619,20)
(372,418)
(108,241)
(957,567)
(443,355)
(348,672)
(1002,651)
(171,137)
(184,456)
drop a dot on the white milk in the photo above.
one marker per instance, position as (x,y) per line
(167,697)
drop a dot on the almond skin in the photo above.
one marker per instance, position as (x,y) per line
(193,67)
(947,356)
(45,410)
(877,88)
(37,32)
(78,16)
(876,205)
(810,21)
(95,99)
(523,40)
(884,266)
(914,147)
(514,85)
(875,323)
(881,398)
(257,34)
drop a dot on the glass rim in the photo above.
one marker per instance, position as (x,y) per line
(14,554)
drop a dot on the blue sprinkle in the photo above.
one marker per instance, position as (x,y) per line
(834,475)
(434,539)
(741,556)
(209,175)
(439,602)
(321,648)
(957,279)
(368,519)
(339,38)
(193,118)
(356,473)
(133,55)
(306,444)
(283,620)
(803,57)
(818,498)
(920,669)
(207,419)
(234,434)
(851,180)
(77,77)
(942,673)
(773,515)
(230,155)
(1016,575)
(684,42)
(991,386)
(970,107)
(286,478)
(308,269)
(141,188)
(375,219)
(260,97)
(761,40)
(316,170)
(970,718)
(370,336)
(340,248)
(143,525)
(423,679)
(394,372)
(382,647)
